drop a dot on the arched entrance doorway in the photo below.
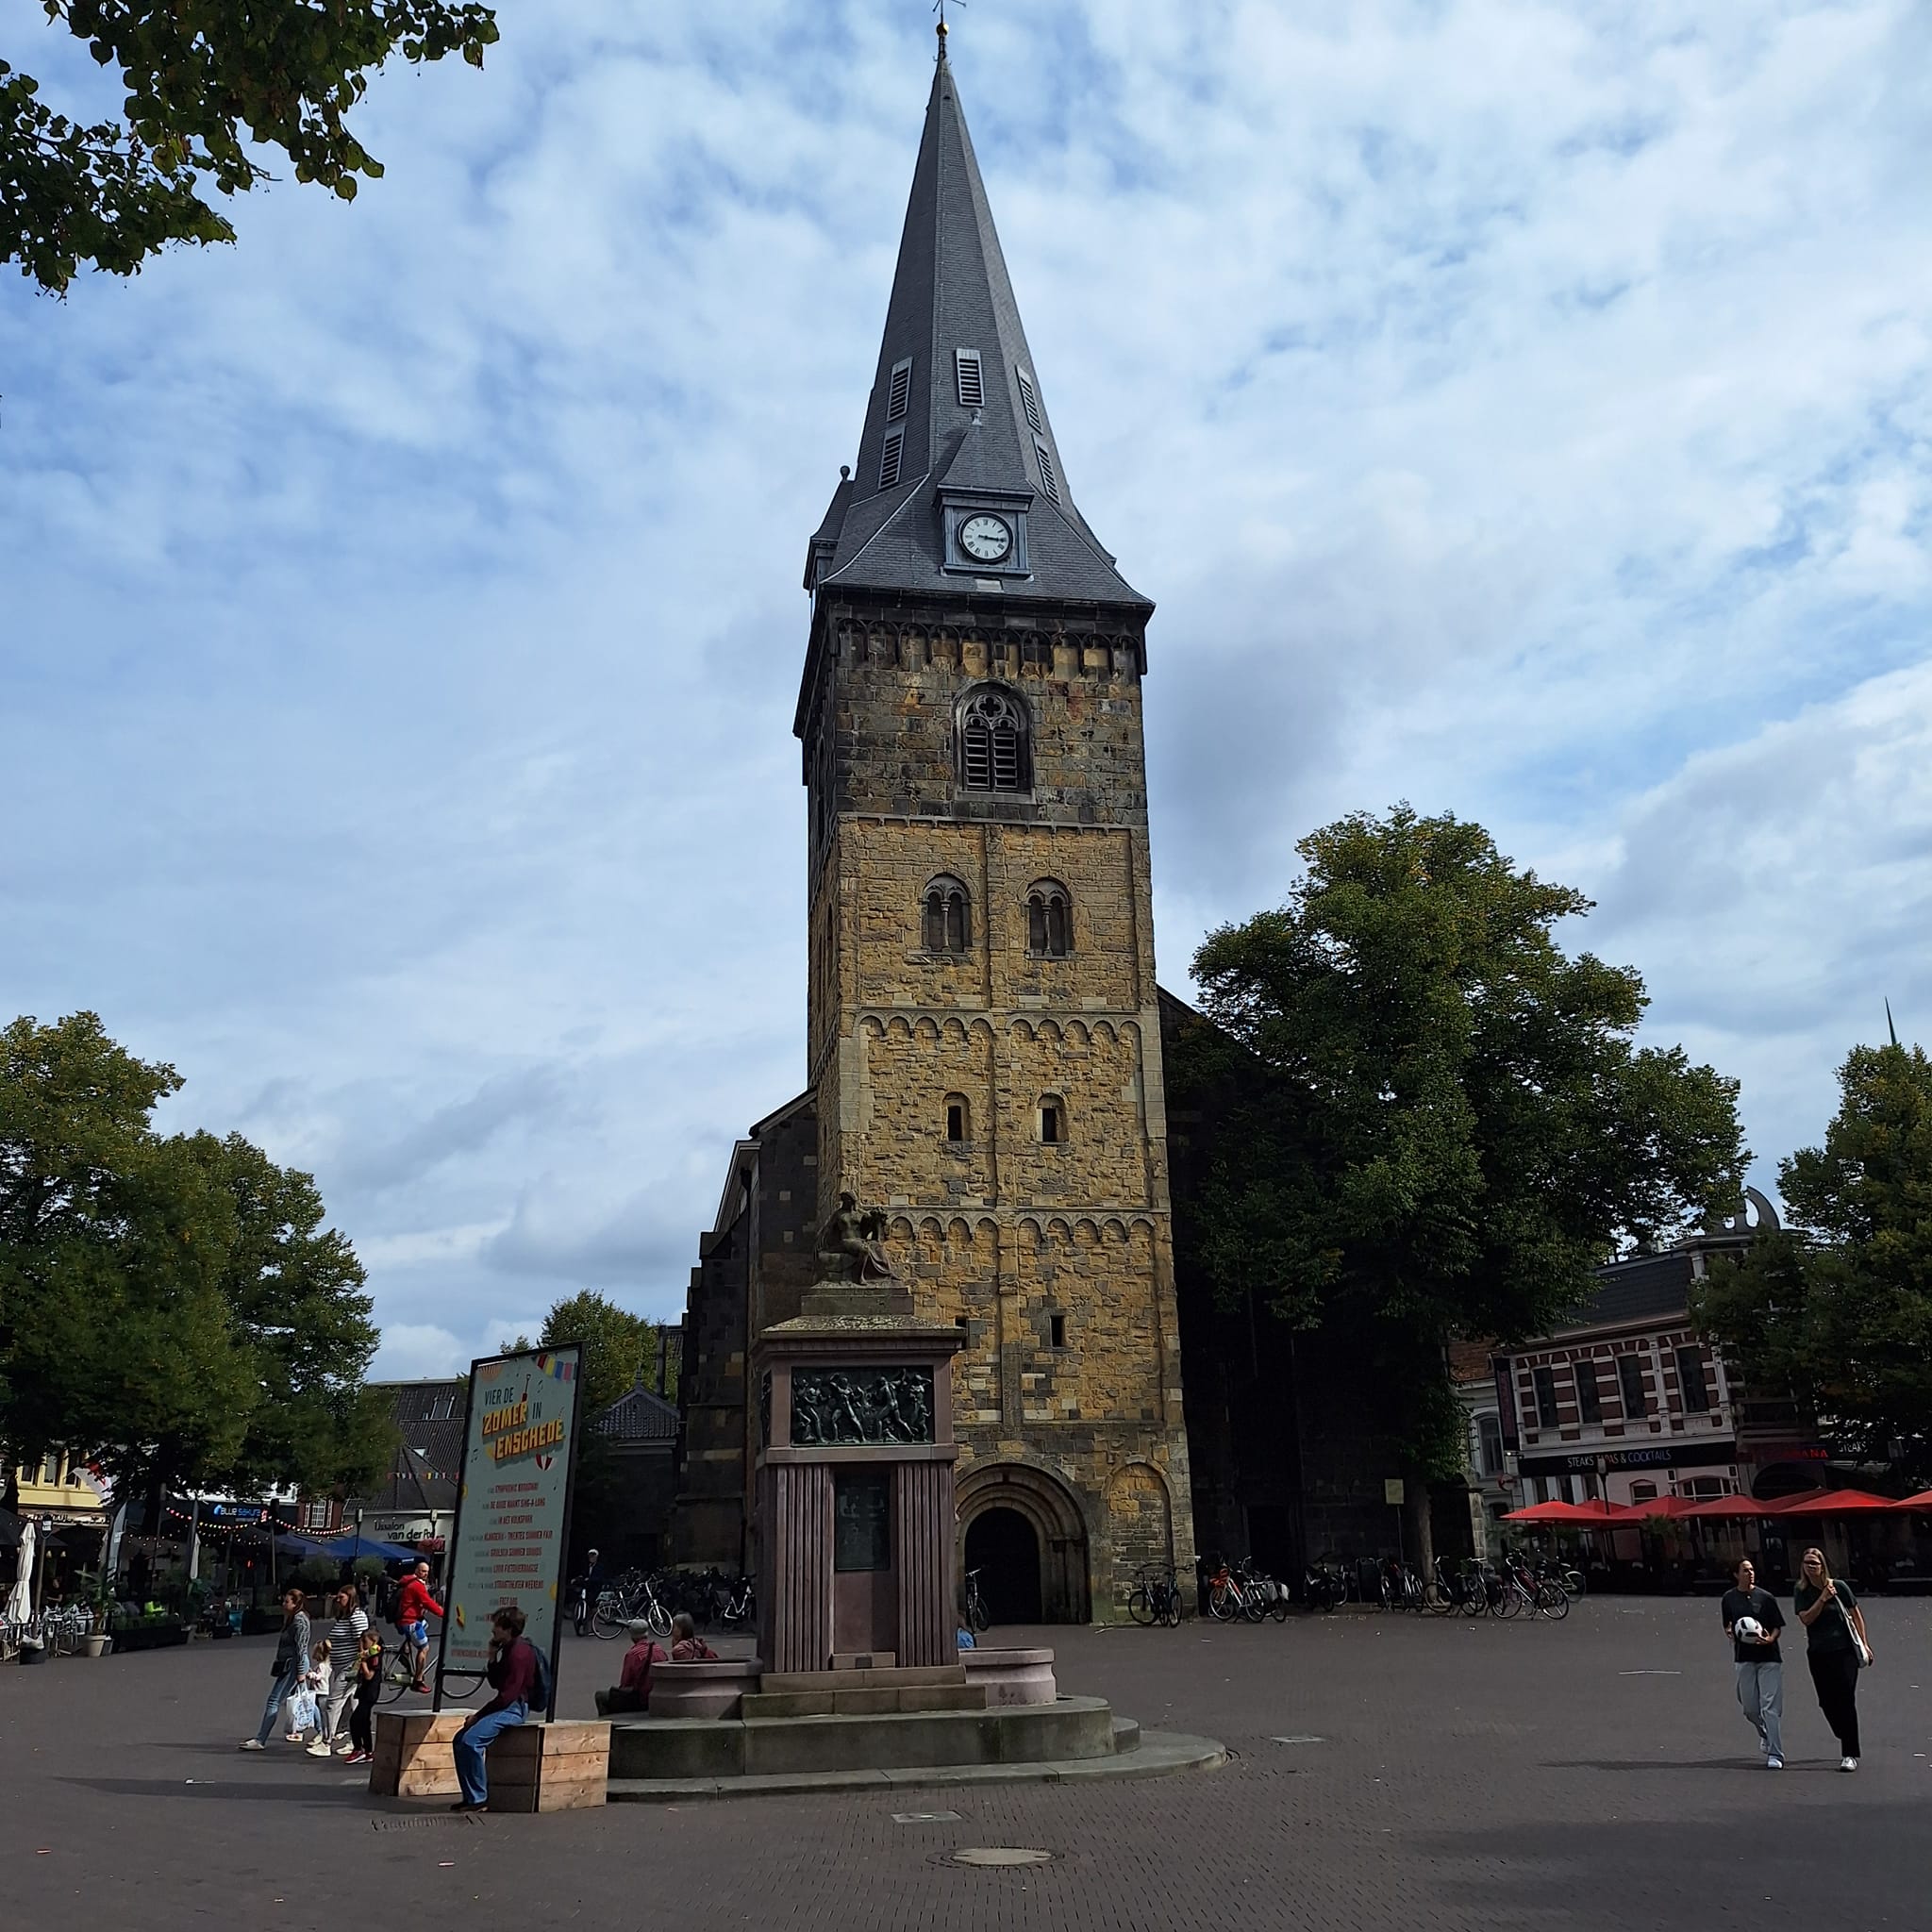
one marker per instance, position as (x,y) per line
(1035,1538)
(1004,1547)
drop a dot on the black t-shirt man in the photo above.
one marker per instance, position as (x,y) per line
(1761,1603)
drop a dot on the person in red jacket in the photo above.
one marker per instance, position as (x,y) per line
(512,1670)
(414,1609)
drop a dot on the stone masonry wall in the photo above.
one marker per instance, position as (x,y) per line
(1057,1258)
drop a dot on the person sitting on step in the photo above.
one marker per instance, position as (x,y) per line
(632,1690)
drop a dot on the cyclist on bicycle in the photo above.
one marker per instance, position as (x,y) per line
(414,1607)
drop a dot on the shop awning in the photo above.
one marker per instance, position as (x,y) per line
(1719,1507)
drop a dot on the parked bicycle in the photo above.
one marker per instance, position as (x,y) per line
(978,1620)
(629,1599)
(1157,1598)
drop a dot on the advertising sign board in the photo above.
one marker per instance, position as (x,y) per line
(520,1439)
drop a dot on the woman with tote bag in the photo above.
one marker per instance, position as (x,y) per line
(1837,1649)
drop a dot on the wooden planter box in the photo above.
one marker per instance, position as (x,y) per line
(413,1758)
(553,1767)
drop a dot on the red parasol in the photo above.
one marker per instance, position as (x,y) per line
(1664,1505)
(1835,1503)
(1922,1502)
(1572,1515)
(1721,1507)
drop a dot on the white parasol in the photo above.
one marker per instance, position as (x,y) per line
(20,1601)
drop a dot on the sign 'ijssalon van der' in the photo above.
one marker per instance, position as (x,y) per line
(513,1509)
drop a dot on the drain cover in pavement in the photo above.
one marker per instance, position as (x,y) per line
(1002,1854)
(925,1817)
(1297,1741)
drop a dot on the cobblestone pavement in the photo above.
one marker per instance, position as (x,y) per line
(1388,1773)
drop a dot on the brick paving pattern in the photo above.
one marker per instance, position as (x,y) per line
(1467,1776)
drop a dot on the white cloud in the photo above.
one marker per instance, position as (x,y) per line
(1521,409)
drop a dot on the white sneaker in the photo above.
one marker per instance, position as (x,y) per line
(1773,1764)
(1848,1764)
(253,1745)
(319,1749)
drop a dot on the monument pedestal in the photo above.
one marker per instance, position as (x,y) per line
(855,1509)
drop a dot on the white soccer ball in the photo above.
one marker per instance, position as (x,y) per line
(1748,1630)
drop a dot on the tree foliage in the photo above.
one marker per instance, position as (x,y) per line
(620,1346)
(170,1307)
(1837,1309)
(1436,1123)
(210,84)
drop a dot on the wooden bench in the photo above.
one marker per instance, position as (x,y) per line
(563,1766)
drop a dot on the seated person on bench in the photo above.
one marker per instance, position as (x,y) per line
(632,1690)
(687,1646)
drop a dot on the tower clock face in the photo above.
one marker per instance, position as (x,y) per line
(987,539)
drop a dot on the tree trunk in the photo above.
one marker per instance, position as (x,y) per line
(1419,1534)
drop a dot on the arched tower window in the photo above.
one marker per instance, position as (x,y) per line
(1052,1121)
(994,752)
(948,917)
(1049,920)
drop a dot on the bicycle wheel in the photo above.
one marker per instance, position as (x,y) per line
(1278,1609)
(1175,1609)
(1509,1602)
(1435,1600)
(1252,1606)
(1220,1604)
(1553,1600)
(394,1682)
(658,1618)
(1575,1583)
(1141,1606)
(606,1620)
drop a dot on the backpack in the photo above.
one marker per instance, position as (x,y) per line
(545,1688)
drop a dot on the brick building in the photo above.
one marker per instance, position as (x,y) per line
(1628,1399)
(983,1050)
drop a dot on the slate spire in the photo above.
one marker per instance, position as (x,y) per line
(956,403)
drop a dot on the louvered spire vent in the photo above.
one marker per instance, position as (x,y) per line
(900,389)
(972,385)
(1048,481)
(888,458)
(1030,403)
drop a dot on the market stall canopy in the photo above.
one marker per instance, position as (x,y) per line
(1922,1502)
(1836,1503)
(352,1545)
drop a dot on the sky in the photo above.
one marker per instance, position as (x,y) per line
(1515,407)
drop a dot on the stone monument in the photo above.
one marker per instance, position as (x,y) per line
(854,1511)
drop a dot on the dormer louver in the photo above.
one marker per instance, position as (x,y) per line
(889,457)
(972,383)
(1030,403)
(901,390)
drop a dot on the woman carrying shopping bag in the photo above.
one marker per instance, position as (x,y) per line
(1837,1649)
(290,1666)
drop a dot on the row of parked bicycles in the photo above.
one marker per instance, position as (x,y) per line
(1239,1592)
(713,1601)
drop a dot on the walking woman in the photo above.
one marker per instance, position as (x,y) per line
(1837,1646)
(290,1666)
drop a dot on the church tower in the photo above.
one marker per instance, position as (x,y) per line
(984,1028)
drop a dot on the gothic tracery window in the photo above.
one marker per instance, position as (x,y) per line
(993,741)
(948,921)
(1049,921)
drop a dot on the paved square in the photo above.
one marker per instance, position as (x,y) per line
(1388,1773)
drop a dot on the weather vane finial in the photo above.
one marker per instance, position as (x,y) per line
(939,6)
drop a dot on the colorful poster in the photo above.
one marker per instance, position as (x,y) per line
(514,1500)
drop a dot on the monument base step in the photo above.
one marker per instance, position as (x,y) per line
(867,1700)
(656,1748)
(875,1677)
(1156,1754)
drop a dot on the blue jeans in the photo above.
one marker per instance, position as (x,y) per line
(472,1745)
(279,1692)
(1761,1693)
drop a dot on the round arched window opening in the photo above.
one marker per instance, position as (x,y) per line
(1049,920)
(946,919)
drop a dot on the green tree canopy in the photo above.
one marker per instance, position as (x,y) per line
(211,85)
(1436,1123)
(620,1346)
(1837,1309)
(169,1307)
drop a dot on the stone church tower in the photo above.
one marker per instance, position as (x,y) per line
(984,1030)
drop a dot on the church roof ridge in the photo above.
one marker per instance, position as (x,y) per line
(956,382)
